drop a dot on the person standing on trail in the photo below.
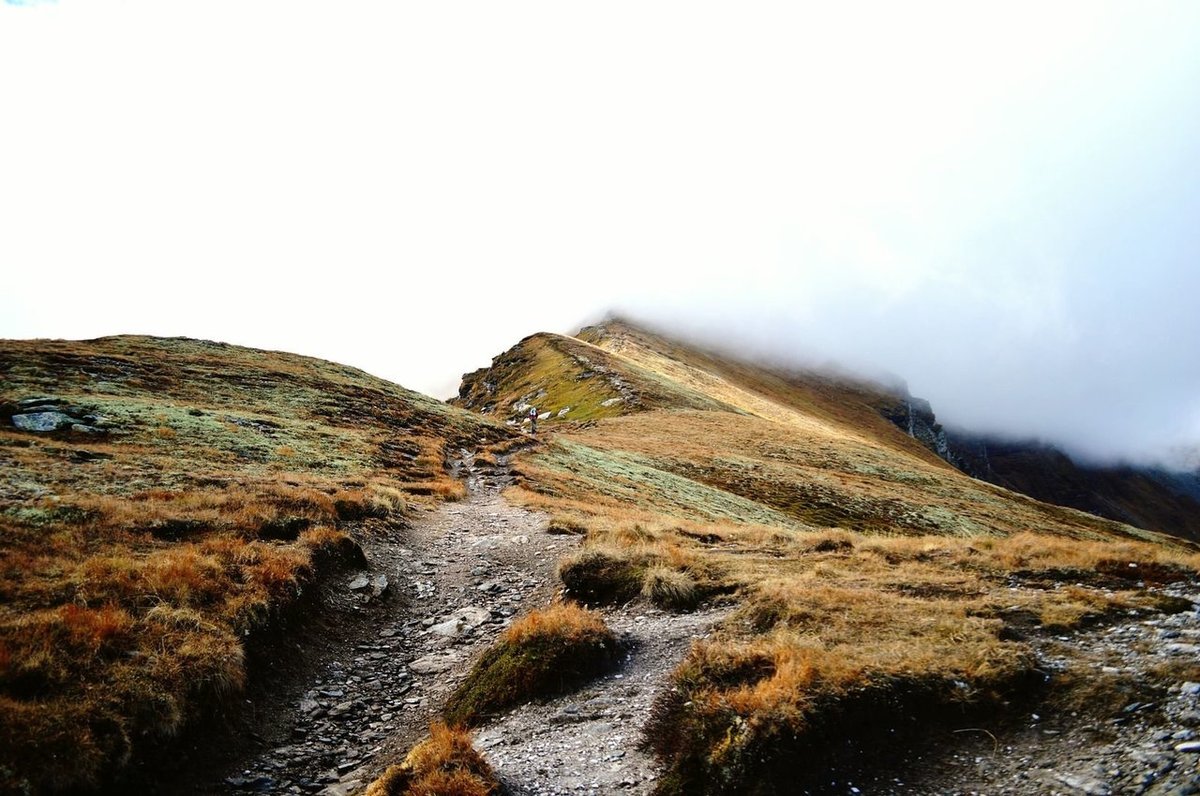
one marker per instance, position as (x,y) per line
(533,414)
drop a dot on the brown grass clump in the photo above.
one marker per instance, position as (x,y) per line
(444,764)
(547,652)
(670,589)
(770,710)
(598,576)
(648,557)
(566,526)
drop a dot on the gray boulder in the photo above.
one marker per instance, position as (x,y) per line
(42,421)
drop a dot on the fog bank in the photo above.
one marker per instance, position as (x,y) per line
(998,204)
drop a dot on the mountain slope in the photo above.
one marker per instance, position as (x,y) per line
(812,448)
(1146,497)
(877,591)
(161,501)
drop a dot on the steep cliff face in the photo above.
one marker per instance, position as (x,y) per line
(915,417)
(1182,482)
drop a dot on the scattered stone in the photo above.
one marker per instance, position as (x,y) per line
(341,788)
(42,421)
(38,400)
(461,620)
(259,784)
(432,664)
(359,583)
(1179,648)
(450,628)
(1086,785)
(380,585)
(1191,747)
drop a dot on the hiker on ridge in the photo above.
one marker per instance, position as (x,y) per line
(533,415)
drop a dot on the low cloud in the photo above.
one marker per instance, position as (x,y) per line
(996,204)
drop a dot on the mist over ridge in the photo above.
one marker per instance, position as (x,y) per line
(1054,397)
(998,205)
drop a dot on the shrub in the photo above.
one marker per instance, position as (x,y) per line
(548,652)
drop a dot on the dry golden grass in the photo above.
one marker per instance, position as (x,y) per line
(135,561)
(670,588)
(872,580)
(544,653)
(444,764)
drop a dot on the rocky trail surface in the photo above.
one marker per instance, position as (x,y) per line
(1140,736)
(441,592)
(436,594)
(589,742)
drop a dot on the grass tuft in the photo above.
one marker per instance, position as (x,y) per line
(670,589)
(601,576)
(444,764)
(547,652)
(566,526)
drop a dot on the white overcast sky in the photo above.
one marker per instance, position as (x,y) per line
(999,202)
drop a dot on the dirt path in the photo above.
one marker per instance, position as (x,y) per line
(453,582)
(587,742)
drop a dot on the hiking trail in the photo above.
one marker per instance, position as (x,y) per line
(454,581)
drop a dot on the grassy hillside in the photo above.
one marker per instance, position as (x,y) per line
(872,583)
(572,382)
(160,500)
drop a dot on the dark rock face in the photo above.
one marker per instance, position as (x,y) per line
(914,416)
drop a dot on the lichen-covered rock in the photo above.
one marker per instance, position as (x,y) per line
(42,421)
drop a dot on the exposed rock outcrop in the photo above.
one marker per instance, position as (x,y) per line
(44,414)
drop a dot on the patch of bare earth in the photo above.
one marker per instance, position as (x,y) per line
(588,742)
